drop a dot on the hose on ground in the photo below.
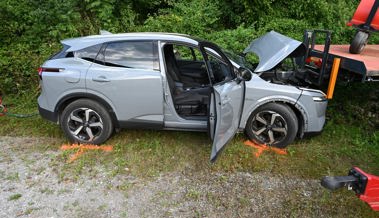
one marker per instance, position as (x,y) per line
(4,112)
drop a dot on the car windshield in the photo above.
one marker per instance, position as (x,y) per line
(238,59)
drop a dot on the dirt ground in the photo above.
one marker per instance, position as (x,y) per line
(32,186)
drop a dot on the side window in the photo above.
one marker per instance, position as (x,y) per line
(198,54)
(62,53)
(186,53)
(88,53)
(183,53)
(220,69)
(139,55)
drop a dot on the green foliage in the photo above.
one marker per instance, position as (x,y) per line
(236,12)
(194,17)
(32,29)
(233,39)
(287,26)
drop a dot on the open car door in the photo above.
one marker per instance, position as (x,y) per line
(226,100)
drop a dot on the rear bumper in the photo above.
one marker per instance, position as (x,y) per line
(48,115)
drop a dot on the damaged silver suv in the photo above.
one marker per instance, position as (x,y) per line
(99,83)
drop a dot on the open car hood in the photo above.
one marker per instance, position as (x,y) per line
(271,49)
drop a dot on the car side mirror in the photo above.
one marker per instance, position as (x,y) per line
(245,74)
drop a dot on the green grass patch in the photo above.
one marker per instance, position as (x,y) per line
(350,138)
(31,126)
(14,197)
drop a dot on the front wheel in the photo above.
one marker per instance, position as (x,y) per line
(273,124)
(86,121)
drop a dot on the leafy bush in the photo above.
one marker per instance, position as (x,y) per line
(194,17)
(32,29)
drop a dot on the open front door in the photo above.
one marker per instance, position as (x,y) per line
(227,97)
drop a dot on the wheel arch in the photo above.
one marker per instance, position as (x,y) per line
(296,108)
(300,118)
(66,100)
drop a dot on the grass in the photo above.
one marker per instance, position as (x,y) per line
(14,197)
(13,177)
(350,138)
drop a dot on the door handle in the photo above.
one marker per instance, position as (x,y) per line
(101,79)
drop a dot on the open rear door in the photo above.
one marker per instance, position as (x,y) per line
(227,97)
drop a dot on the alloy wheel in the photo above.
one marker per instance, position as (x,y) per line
(85,124)
(270,127)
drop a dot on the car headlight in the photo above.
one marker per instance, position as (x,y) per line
(319,98)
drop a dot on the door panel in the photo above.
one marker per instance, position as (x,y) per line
(137,95)
(126,73)
(228,102)
(228,91)
(212,116)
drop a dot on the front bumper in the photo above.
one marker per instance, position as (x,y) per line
(315,113)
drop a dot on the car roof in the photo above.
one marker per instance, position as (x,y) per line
(86,41)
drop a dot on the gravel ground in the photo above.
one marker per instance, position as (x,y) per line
(31,186)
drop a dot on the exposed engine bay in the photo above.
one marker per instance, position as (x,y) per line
(289,72)
(282,60)
(281,74)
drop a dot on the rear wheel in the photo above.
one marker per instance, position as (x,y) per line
(273,124)
(359,42)
(86,121)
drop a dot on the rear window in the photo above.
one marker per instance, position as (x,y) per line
(62,53)
(88,53)
(128,54)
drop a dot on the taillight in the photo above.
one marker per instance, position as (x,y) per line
(40,69)
(48,69)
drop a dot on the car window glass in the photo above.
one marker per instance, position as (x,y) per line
(198,54)
(221,70)
(88,53)
(183,52)
(130,55)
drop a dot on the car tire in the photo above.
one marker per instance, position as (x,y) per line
(359,42)
(86,121)
(273,124)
